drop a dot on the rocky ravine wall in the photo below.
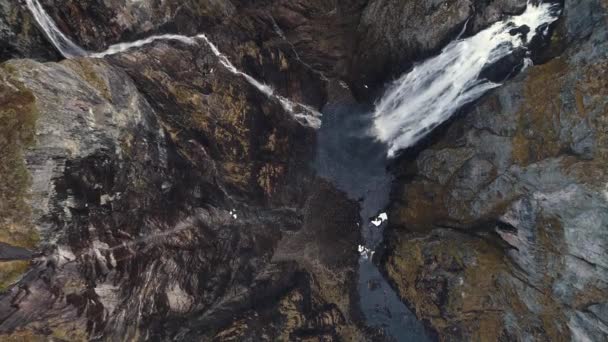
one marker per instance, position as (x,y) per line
(158,218)
(500,227)
(165,197)
(155,188)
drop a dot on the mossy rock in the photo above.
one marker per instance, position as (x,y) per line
(11,271)
(66,332)
(17,133)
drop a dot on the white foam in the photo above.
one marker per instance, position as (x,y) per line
(122,47)
(432,91)
(61,42)
(383,217)
(365,252)
(305,115)
(233,214)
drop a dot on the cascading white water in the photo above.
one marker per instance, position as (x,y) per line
(308,115)
(122,47)
(434,90)
(63,44)
(304,114)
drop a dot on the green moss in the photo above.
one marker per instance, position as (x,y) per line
(38,332)
(424,206)
(11,271)
(537,137)
(186,96)
(418,264)
(17,128)
(87,69)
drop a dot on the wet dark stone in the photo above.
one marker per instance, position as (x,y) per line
(8,252)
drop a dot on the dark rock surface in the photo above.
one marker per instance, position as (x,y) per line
(393,34)
(363,42)
(500,226)
(164,198)
(19,36)
(164,193)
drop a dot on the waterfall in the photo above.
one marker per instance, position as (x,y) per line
(435,89)
(307,115)
(63,44)
(122,47)
(302,113)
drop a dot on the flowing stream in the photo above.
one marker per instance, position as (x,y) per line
(356,163)
(68,49)
(413,105)
(355,142)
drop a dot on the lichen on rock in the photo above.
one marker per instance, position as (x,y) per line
(500,226)
(18,115)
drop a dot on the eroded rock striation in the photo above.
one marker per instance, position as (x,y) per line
(160,187)
(167,207)
(500,225)
(19,36)
(155,195)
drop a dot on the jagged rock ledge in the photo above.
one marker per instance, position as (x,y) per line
(499,225)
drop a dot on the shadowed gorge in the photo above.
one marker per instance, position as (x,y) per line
(359,170)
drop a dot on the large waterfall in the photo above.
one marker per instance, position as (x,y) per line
(435,89)
(413,105)
(68,49)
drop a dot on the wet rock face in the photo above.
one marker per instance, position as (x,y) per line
(500,225)
(97,24)
(161,197)
(362,42)
(393,34)
(19,37)
(161,191)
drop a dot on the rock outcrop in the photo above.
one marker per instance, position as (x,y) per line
(499,224)
(19,36)
(162,187)
(291,44)
(154,195)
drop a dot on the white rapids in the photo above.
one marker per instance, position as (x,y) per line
(62,43)
(434,90)
(68,49)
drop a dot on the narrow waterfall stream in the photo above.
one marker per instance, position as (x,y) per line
(68,49)
(355,142)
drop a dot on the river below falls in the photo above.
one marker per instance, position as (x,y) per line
(349,157)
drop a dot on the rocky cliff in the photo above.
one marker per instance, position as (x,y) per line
(151,210)
(499,223)
(19,35)
(155,188)
(156,195)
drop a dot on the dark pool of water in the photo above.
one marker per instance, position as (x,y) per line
(350,158)
(8,252)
